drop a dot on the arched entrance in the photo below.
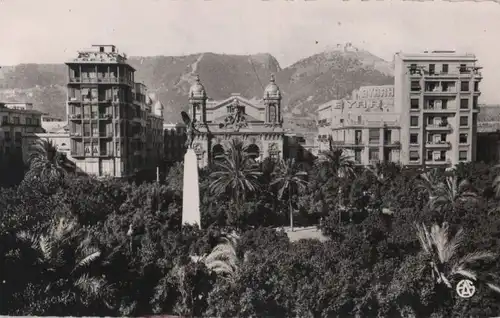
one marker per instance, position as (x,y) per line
(253,151)
(217,151)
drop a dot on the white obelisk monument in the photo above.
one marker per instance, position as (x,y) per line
(191,190)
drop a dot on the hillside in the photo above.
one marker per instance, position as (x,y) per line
(305,84)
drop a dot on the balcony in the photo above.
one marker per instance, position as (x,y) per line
(440,127)
(105,116)
(106,135)
(106,153)
(470,73)
(356,144)
(438,144)
(437,162)
(75,135)
(439,91)
(76,117)
(439,109)
(101,80)
(442,75)
(392,144)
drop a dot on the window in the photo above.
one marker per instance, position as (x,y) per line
(86,130)
(463,68)
(374,136)
(444,69)
(430,87)
(463,138)
(341,121)
(28,121)
(444,104)
(432,69)
(357,137)
(462,155)
(413,138)
(359,119)
(474,102)
(413,121)
(5,119)
(18,135)
(373,154)
(464,103)
(357,155)
(415,86)
(476,86)
(16,121)
(414,156)
(464,121)
(413,68)
(429,154)
(387,136)
(464,86)
(414,103)
(430,120)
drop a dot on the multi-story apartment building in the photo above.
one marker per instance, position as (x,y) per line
(428,118)
(438,96)
(110,116)
(365,126)
(17,119)
(175,142)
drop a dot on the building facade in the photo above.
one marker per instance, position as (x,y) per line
(115,128)
(175,143)
(438,92)
(17,119)
(365,126)
(257,125)
(427,118)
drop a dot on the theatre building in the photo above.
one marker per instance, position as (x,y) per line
(257,124)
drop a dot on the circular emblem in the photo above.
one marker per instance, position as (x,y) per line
(465,288)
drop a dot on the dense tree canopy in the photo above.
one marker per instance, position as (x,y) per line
(399,241)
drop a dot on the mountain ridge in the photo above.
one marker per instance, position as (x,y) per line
(305,84)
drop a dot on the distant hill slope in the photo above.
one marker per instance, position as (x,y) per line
(305,84)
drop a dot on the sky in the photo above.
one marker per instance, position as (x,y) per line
(52,31)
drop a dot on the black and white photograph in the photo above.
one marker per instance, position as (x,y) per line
(250,158)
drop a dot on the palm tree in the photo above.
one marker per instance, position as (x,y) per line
(290,179)
(236,173)
(335,162)
(448,192)
(443,261)
(223,259)
(61,254)
(48,163)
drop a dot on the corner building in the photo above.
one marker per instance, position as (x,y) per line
(438,93)
(257,125)
(365,126)
(428,118)
(115,128)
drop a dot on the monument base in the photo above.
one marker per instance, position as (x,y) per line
(191,190)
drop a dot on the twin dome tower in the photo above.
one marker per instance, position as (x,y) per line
(198,90)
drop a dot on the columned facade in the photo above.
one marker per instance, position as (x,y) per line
(257,125)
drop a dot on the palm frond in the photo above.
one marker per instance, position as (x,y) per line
(493,287)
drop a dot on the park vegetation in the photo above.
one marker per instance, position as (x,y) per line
(398,242)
